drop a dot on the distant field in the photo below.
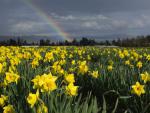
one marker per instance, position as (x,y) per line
(96,79)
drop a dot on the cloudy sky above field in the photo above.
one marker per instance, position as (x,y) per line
(76,17)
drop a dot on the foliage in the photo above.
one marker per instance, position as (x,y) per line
(74,80)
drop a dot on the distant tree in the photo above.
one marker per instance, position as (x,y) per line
(53,44)
(84,41)
(47,42)
(42,42)
(25,42)
(74,42)
(66,43)
(114,42)
(92,42)
(138,41)
(107,43)
(12,42)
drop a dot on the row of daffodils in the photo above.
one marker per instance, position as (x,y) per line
(29,75)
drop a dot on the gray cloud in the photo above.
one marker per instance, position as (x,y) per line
(77,17)
(93,6)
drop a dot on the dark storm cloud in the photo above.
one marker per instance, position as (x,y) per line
(77,17)
(18,18)
(93,6)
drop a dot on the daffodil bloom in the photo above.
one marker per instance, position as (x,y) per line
(136,55)
(110,67)
(26,55)
(62,62)
(73,62)
(61,71)
(110,62)
(127,62)
(37,55)
(12,69)
(45,82)
(70,56)
(70,78)
(139,64)
(15,61)
(38,82)
(145,77)
(63,55)
(89,57)
(49,85)
(71,89)
(83,68)
(125,52)
(138,89)
(3,99)
(49,56)
(57,68)
(95,74)
(1,67)
(42,109)
(148,57)
(32,98)
(35,63)
(11,77)
(8,109)
(121,55)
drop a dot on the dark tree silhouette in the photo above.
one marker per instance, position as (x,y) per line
(139,41)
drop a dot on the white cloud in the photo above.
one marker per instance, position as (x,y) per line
(23,26)
(90,24)
(68,17)
(119,24)
(137,24)
(95,23)
(27,26)
(79,17)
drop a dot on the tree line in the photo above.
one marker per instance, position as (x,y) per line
(138,41)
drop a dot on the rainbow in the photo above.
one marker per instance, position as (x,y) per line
(51,22)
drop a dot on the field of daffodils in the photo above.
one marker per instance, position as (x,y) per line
(74,80)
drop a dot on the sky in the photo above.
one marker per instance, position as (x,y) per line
(78,18)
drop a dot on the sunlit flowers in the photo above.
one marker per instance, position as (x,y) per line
(127,62)
(125,52)
(8,109)
(32,98)
(73,62)
(109,67)
(57,67)
(11,77)
(1,67)
(136,55)
(42,109)
(83,68)
(121,55)
(145,77)
(148,57)
(138,89)
(95,74)
(15,61)
(48,56)
(34,63)
(45,82)
(70,78)
(71,89)
(36,79)
(139,64)
(37,55)
(3,100)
